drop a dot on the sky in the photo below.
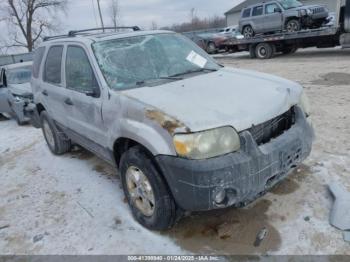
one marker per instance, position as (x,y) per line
(82,14)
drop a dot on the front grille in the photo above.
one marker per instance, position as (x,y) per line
(264,132)
(318,10)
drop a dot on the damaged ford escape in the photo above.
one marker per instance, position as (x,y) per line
(185,133)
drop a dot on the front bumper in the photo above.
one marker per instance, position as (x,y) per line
(18,105)
(242,176)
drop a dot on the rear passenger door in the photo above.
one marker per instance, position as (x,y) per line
(85,101)
(53,93)
(258,19)
(273,18)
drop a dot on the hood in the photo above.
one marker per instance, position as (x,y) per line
(306,7)
(228,97)
(20,89)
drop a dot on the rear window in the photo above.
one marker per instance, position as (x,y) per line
(52,72)
(258,10)
(38,57)
(246,13)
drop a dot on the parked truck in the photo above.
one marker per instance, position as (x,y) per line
(265,46)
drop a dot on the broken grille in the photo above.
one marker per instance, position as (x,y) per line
(264,132)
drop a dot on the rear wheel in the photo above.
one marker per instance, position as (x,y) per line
(148,195)
(265,50)
(57,142)
(248,32)
(293,26)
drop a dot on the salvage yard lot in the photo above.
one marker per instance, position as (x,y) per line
(74,204)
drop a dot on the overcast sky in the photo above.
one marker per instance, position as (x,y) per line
(84,13)
(143,12)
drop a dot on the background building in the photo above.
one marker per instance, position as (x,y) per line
(233,15)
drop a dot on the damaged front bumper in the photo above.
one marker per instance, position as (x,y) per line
(236,179)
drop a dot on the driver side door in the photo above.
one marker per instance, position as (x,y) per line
(273,18)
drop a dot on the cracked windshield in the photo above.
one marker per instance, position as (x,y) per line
(150,60)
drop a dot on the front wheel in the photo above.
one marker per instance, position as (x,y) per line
(293,26)
(148,195)
(211,49)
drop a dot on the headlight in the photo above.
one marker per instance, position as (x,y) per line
(303,12)
(305,104)
(207,144)
(309,12)
(18,98)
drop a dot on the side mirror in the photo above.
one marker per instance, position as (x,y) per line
(93,93)
(278,10)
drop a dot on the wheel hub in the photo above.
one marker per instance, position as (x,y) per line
(140,191)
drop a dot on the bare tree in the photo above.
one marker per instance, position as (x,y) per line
(114,12)
(28,20)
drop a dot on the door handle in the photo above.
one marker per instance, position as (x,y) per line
(45,93)
(68,101)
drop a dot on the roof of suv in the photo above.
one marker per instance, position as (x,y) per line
(97,37)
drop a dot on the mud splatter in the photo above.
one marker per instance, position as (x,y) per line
(81,153)
(231,231)
(334,78)
(168,123)
(105,170)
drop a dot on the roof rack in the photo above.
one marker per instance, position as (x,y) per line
(76,32)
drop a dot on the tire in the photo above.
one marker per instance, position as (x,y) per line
(162,213)
(248,32)
(57,142)
(252,51)
(293,25)
(211,49)
(264,50)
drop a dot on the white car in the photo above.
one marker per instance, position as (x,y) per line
(15,90)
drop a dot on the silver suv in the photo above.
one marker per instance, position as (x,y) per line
(280,15)
(185,132)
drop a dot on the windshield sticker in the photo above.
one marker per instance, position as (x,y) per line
(196,59)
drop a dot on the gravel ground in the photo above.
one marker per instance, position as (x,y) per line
(74,204)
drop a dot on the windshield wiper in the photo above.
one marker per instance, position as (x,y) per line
(155,80)
(195,71)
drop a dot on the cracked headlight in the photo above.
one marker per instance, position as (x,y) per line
(305,104)
(207,144)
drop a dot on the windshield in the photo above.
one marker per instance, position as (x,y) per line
(130,62)
(20,75)
(288,4)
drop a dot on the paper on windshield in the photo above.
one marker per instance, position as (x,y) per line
(197,59)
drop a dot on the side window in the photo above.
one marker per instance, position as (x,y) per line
(79,73)
(270,8)
(246,13)
(38,57)
(52,71)
(258,10)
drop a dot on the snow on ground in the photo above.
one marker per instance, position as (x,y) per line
(74,204)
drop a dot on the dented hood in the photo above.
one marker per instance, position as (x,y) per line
(228,97)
